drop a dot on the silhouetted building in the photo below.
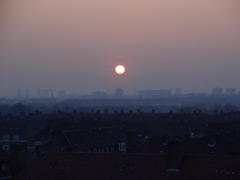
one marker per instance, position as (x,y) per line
(178,91)
(132,139)
(230,92)
(217,91)
(95,166)
(39,93)
(118,93)
(19,93)
(102,139)
(13,156)
(45,93)
(5,171)
(51,93)
(62,94)
(99,95)
(27,93)
(155,93)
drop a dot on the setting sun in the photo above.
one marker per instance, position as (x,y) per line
(120,69)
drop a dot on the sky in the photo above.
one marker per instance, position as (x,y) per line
(75,45)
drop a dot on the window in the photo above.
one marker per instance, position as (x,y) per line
(6,137)
(122,147)
(6,147)
(106,149)
(16,138)
(212,144)
(165,143)
(4,167)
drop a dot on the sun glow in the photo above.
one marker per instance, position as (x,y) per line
(120,69)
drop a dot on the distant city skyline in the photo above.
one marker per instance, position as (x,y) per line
(75,45)
(118,93)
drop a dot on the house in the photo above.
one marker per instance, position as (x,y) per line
(108,166)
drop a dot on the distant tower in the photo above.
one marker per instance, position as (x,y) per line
(178,91)
(51,92)
(39,93)
(118,93)
(19,93)
(27,93)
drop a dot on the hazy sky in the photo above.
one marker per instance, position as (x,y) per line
(75,44)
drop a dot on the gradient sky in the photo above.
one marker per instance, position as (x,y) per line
(75,45)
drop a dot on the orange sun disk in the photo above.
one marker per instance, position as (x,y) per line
(120,69)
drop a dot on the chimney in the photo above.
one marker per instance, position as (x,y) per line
(175,155)
(98,112)
(121,111)
(105,111)
(75,111)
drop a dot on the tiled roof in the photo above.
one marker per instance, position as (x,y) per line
(199,146)
(94,137)
(90,166)
(75,166)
